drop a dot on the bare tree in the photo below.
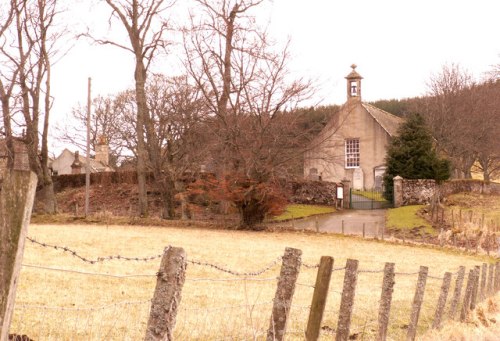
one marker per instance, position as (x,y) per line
(108,119)
(249,94)
(145,26)
(450,110)
(28,44)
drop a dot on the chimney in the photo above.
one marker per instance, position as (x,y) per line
(76,166)
(102,150)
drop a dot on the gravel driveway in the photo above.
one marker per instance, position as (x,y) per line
(353,222)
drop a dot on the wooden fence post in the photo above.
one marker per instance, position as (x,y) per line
(484,271)
(364,231)
(16,202)
(445,287)
(456,294)
(490,291)
(167,295)
(473,300)
(467,295)
(347,301)
(342,226)
(385,301)
(319,298)
(417,303)
(284,293)
(497,277)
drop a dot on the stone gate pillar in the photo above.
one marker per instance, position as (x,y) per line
(398,191)
(347,193)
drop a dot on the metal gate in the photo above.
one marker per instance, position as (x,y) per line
(368,200)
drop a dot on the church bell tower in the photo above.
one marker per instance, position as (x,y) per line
(354,85)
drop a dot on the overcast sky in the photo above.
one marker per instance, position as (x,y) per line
(396,44)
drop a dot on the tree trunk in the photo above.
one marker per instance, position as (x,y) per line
(252,214)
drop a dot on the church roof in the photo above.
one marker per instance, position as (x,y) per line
(388,121)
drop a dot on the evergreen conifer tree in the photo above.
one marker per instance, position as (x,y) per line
(411,155)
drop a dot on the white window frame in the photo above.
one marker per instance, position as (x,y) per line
(352,155)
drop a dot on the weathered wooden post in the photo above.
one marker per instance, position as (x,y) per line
(497,277)
(343,230)
(473,300)
(482,293)
(445,287)
(418,299)
(364,231)
(456,293)
(385,301)
(347,300)
(16,203)
(284,293)
(167,295)
(467,295)
(490,291)
(319,298)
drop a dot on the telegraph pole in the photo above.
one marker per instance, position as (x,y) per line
(87,159)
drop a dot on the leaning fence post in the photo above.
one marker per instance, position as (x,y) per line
(467,295)
(284,293)
(319,298)
(16,202)
(347,300)
(445,287)
(385,301)
(490,291)
(456,294)
(473,299)
(167,295)
(482,293)
(417,303)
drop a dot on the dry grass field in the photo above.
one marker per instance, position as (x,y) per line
(61,305)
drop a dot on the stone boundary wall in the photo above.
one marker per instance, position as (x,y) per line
(469,185)
(418,192)
(421,191)
(312,192)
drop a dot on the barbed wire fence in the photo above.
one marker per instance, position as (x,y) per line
(220,303)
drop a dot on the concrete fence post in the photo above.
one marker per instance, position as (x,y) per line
(319,298)
(284,293)
(445,287)
(385,301)
(16,203)
(456,293)
(418,299)
(167,295)
(467,295)
(347,300)
(398,191)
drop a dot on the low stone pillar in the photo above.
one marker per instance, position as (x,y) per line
(398,191)
(347,193)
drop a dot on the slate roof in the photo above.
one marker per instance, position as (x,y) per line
(388,121)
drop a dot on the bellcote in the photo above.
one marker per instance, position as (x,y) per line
(354,84)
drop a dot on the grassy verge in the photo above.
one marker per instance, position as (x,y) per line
(405,219)
(296,211)
(214,304)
